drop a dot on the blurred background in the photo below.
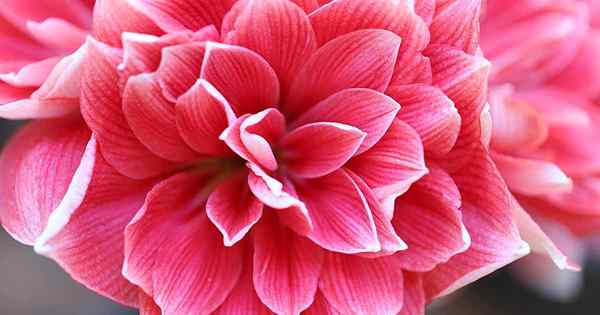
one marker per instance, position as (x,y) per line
(34,285)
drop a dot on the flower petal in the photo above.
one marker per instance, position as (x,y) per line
(431,113)
(177,256)
(279,31)
(114,17)
(414,297)
(361,59)
(317,149)
(456,23)
(370,111)
(244,78)
(321,307)
(233,209)
(45,32)
(341,217)
(202,114)
(84,234)
(362,286)
(286,268)
(179,68)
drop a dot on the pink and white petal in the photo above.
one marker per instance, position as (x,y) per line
(180,68)
(18,12)
(114,17)
(495,240)
(280,195)
(259,132)
(317,149)
(370,111)
(532,177)
(425,9)
(361,59)
(456,23)
(31,75)
(286,268)
(233,209)
(321,307)
(177,256)
(178,15)
(242,300)
(429,220)
(279,31)
(35,176)
(147,306)
(362,286)
(414,296)
(386,234)
(431,113)
(393,164)
(202,114)
(45,32)
(84,234)
(152,119)
(102,110)
(244,78)
(341,217)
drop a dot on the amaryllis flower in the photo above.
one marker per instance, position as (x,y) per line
(272,156)
(546,135)
(37,39)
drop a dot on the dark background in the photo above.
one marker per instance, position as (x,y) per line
(34,285)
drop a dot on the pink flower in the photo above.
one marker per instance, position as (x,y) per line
(273,156)
(545,140)
(35,36)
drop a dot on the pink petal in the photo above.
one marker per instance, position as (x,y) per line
(456,23)
(362,286)
(147,305)
(258,134)
(463,78)
(393,164)
(367,110)
(245,79)
(152,119)
(425,9)
(179,15)
(175,254)
(35,177)
(84,234)
(280,195)
(317,149)
(414,297)
(101,109)
(113,17)
(18,12)
(179,68)
(279,31)
(45,32)
(495,241)
(321,307)
(202,114)
(307,5)
(286,268)
(431,113)
(233,209)
(532,177)
(243,299)
(361,59)
(341,217)
(386,234)
(428,218)
(31,75)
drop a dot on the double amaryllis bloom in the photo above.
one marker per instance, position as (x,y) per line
(272,156)
(544,94)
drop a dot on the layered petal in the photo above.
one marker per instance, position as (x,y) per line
(113,17)
(179,68)
(414,296)
(456,23)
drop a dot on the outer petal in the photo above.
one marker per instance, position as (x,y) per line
(85,232)
(177,256)
(321,307)
(35,176)
(428,218)
(361,59)
(101,109)
(431,113)
(362,286)
(317,149)
(495,241)
(202,114)
(393,164)
(233,209)
(456,23)
(341,216)
(113,17)
(179,68)
(46,30)
(147,305)
(286,268)
(279,31)
(414,297)
(244,78)
(365,109)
